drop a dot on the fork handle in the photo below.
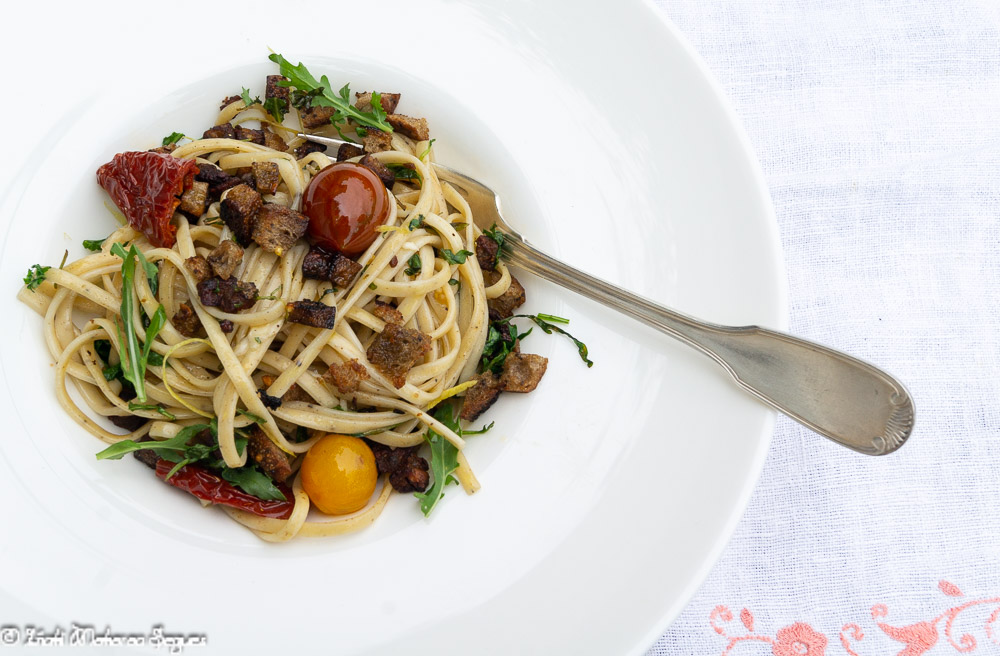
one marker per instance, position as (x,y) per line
(840,397)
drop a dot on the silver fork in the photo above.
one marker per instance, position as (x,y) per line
(840,397)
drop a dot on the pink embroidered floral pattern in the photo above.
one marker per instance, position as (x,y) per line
(800,639)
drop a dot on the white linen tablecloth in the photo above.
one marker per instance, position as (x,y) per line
(877,124)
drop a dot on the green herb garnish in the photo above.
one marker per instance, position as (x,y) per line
(496,235)
(94,244)
(251,416)
(304,99)
(172,138)
(150,406)
(276,107)
(247,100)
(273,296)
(426,150)
(404,172)
(36,276)
(484,429)
(546,323)
(135,357)
(177,450)
(416,223)
(414,265)
(455,258)
(499,344)
(252,481)
(300,78)
(177,444)
(444,458)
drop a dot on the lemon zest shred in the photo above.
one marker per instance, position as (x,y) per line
(452,391)
(166,384)
(385,228)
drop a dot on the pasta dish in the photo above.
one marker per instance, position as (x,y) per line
(288,333)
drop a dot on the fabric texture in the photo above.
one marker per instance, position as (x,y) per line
(877,124)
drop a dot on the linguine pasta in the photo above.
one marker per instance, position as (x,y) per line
(217,377)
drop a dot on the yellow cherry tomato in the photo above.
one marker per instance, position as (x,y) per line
(339,474)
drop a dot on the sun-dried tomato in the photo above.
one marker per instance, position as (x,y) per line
(145,186)
(207,486)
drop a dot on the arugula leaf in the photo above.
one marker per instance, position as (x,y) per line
(454,281)
(377,111)
(276,107)
(172,138)
(177,443)
(94,244)
(416,223)
(133,364)
(414,265)
(36,276)
(300,78)
(177,450)
(151,270)
(155,359)
(252,481)
(444,459)
(549,328)
(484,429)
(455,258)
(111,372)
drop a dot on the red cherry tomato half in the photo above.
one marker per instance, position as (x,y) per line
(345,202)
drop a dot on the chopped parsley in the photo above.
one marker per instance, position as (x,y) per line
(172,138)
(36,276)
(94,244)
(404,172)
(455,258)
(427,150)
(247,100)
(414,265)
